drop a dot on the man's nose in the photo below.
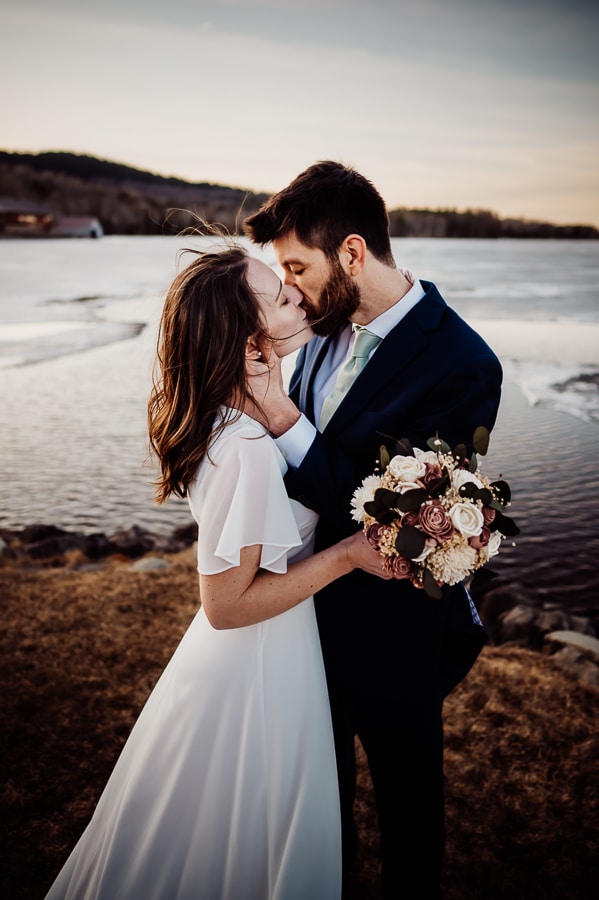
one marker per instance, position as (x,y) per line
(289,279)
(297,297)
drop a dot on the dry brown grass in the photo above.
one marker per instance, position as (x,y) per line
(82,649)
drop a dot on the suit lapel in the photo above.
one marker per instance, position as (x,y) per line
(394,355)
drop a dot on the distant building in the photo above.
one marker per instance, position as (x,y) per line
(76,226)
(23,218)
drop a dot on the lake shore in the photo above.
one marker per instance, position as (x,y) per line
(88,640)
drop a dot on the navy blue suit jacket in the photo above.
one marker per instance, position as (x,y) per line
(432,374)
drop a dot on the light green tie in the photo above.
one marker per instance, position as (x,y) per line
(364,344)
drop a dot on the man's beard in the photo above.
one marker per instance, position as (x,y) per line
(338,300)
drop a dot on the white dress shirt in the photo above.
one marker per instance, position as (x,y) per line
(296,442)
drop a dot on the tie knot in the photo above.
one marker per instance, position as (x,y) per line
(364,342)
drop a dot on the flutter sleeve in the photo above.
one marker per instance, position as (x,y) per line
(240,500)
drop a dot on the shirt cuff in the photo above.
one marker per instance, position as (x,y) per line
(296,442)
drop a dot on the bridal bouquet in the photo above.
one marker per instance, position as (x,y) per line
(431,514)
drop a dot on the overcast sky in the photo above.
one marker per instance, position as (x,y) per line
(442,103)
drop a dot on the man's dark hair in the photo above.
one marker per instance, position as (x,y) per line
(321,207)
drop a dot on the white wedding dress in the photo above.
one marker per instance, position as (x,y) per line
(226,788)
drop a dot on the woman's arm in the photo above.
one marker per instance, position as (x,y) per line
(245,594)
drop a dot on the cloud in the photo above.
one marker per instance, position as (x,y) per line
(467,102)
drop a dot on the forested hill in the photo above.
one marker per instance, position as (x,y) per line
(132,201)
(124,199)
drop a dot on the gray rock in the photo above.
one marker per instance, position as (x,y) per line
(581,624)
(573,660)
(552,620)
(149,564)
(582,643)
(517,625)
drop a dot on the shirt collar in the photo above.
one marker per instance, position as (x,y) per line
(386,322)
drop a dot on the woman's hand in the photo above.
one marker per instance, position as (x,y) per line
(271,407)
(363,556)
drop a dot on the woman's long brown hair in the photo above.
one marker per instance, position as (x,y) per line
(208,316)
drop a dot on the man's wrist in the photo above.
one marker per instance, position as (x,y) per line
(282,418)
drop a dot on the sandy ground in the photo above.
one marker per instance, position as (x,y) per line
(81,650)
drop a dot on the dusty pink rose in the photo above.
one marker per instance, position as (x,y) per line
(409,518)
(434,521)
(374,533)
(488,514)
(398,566)
(480,540)
(433,472)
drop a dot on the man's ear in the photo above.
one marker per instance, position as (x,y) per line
(352,254)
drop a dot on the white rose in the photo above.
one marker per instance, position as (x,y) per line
(494,544)
(467,519)
(426,456)
(363,495)
(405,486)
(462,476)
(406,468)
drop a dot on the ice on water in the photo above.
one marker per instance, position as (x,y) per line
(535,302)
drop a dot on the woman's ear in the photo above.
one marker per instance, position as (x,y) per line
(252,350)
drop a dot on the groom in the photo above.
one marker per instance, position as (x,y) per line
(391,653)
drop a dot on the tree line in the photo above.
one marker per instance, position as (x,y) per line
(131,201)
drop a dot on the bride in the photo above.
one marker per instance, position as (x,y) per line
(227,788)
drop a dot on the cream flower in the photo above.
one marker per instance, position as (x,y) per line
(363,495)
(467,518)
(462,476)
(452,563)
(426,456)
(403,486)
(406,468)
(494,544)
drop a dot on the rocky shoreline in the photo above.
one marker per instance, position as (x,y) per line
(510,615)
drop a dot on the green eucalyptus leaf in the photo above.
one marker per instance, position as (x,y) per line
(502,491)
(410,542)
(494,504)
(380,512)
(439,446)
(504,525)
(384,456)
(387,498)
(403,447)
(430,586)
(386,516)
(481,440)
(460,452)
(484,495)
(435,488)
(411,501)
(473,463)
